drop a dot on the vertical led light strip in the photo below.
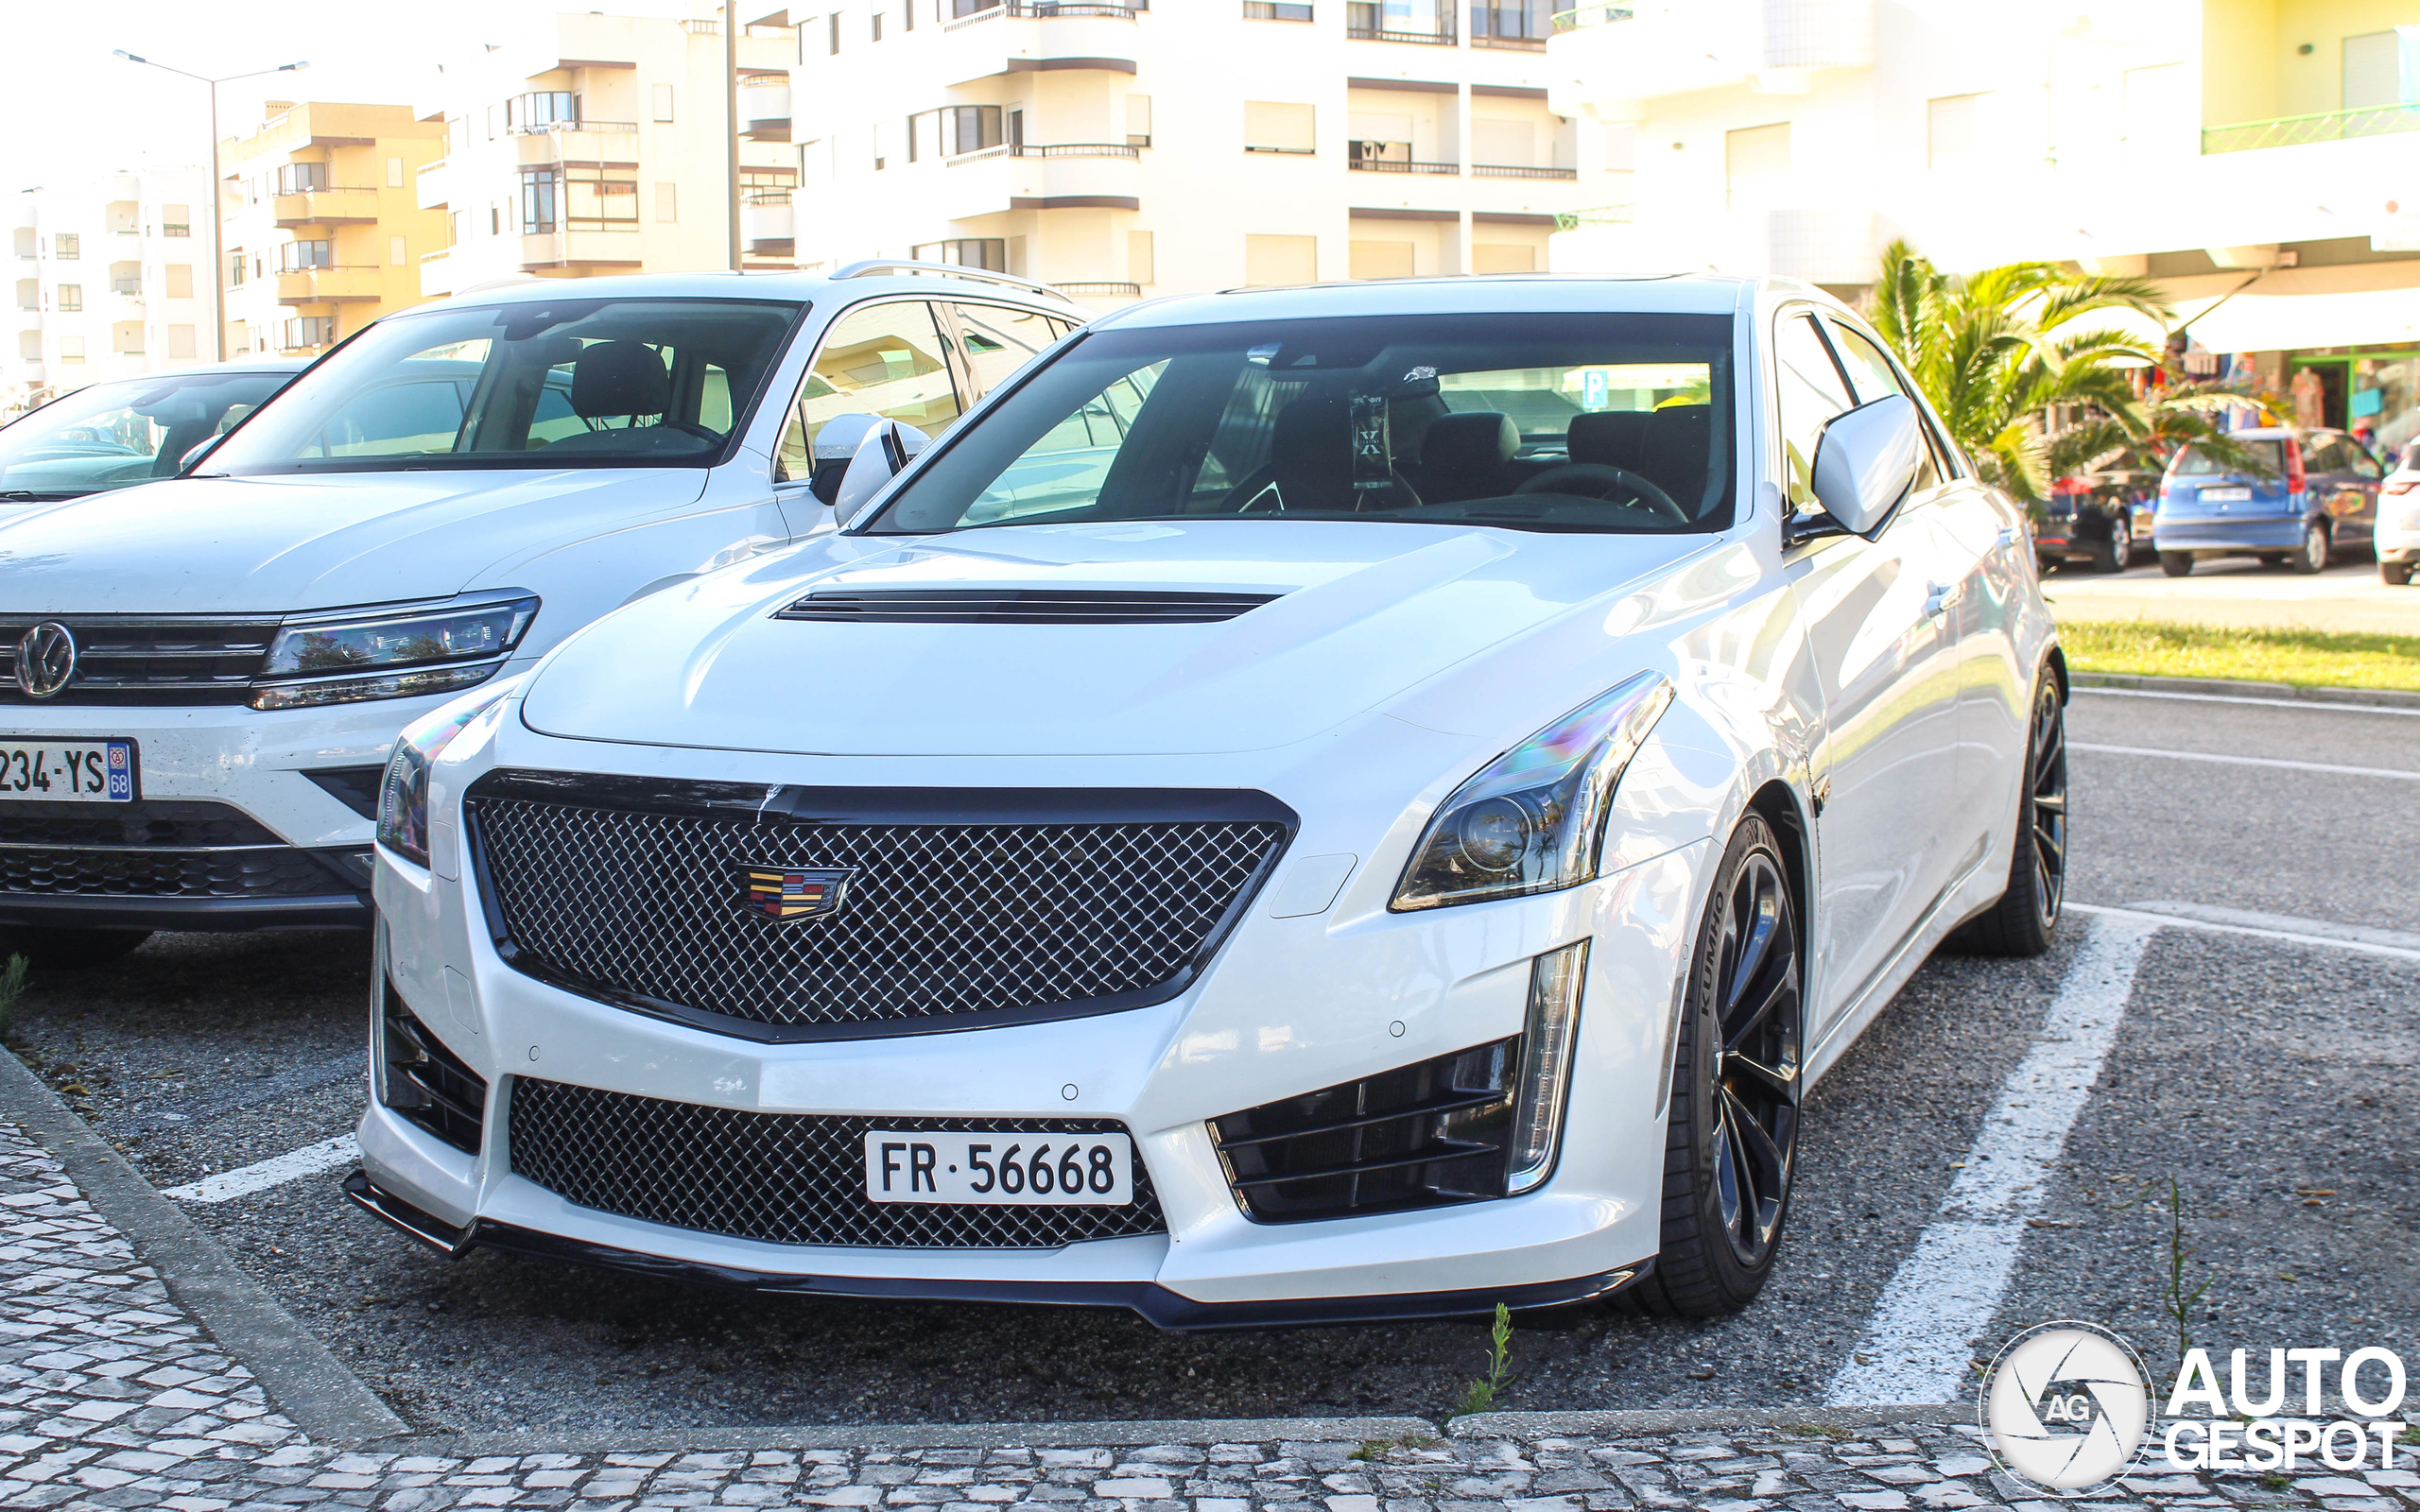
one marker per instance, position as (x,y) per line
(1555,980)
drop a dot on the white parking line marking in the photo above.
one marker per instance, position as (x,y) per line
(2213,926)
(2322,704)
(1917,1343)
(309,1160)
(2285,925)
(2249,761)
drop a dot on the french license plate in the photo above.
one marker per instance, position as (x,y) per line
(2226,495)
(1052,1170)
(74,771)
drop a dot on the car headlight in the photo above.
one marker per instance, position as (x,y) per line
(403,793)
(1532,821)
(392,654)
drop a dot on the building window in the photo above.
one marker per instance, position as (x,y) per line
(125,338)
(592,200)
(71,349)
(1422,21)
(1279,128)
(545,110)
(1281,260)
(1755,162)
(664,102)
(67,246)
(457,228)
(176,220)
(301,178)
(308,331)
(667,203)
(954,129)
(71,297)
(1141,266)
(180,280)
(398,251)
(966,252)
(181,341)
(394,173)
(1520,24)
(832,43)
(1274,10)
(1138,120)
(541,200)
(293,257)
(881,145)
(495,218)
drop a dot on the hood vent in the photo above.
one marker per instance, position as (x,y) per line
(1021,606)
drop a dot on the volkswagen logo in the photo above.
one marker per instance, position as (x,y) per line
(45,659)
(2066,1407)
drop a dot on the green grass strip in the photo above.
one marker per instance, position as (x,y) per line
(2310,658)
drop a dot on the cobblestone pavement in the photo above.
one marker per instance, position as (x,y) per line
(110,1397)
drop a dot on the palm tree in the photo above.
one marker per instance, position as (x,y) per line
(1997,349)
(2170,419)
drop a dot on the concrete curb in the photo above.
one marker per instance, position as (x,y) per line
(1650,1422)
(305,1382)
(2373,698)
(927,1436)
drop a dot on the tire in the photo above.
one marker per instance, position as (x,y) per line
(1730,1151)
(2314,556)
(2115,553)
(2027,916)
(2176,563)
(2395,574)
(69,950)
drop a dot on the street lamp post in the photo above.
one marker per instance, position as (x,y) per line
(217,221)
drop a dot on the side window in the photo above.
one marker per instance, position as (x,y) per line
(998,340)
(2364,465)
(2323,454)
(1807,393)
(409,416)
(881,359)
(1873,376)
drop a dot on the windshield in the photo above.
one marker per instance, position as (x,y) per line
(556,383)
(111,436)
(2192,462)
(1582,423)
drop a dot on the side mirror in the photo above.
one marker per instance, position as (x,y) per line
(885,450)
(1866,462)
(835,446)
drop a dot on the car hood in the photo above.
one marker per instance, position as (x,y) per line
(1367,611)
(281,545)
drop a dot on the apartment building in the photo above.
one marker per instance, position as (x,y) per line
(323,231)
(2259,158)
(1116,151)
(598,144)
(110,280)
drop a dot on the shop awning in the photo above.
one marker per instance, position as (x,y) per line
(2257,320)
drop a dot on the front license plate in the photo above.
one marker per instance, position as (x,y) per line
(2226,495)
(74,771)
(1050,1170)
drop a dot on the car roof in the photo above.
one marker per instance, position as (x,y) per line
(799,287)
(1515,293)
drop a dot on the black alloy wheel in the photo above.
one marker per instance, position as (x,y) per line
(2022,922)
(2115,552)
(1730,1149)
(2176,563)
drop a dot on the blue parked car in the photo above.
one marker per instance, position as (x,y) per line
(2316,496)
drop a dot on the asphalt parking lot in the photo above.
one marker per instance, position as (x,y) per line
(2269,1080)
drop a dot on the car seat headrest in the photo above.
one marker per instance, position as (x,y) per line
(1478,440)
(619,378)
(1609,437)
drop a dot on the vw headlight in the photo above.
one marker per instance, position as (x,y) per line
(403,793)
(1532,821)
(393,653)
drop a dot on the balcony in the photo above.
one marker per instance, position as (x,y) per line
(764,108)
(1367,21)
(437,274)
(329,285)
(578,142)
(433,185)
(324,207)
(1100,289)
(1403,165)
(2300,130)
(1033,176)
(580,250)
(769,225)
(1046,10)
(1505,170)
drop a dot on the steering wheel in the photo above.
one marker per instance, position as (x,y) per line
(1598,480)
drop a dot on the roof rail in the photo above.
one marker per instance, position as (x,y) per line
(884,265)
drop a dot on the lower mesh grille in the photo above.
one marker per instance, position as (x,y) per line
(195,823)
(787,1179)
(277,871)
(1425,1135)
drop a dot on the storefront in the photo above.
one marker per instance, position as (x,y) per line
(2372,391)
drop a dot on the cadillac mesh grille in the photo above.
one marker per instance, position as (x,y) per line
(787,1179)
(944,923)
(1020,606)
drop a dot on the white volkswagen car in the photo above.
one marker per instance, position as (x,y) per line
(1342,803)
(200,677)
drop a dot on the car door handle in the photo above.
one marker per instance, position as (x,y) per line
(1938,599)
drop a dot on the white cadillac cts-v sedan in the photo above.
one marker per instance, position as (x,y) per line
(1344,802)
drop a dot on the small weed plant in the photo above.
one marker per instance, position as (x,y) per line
(12,991)
(1480,1396)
